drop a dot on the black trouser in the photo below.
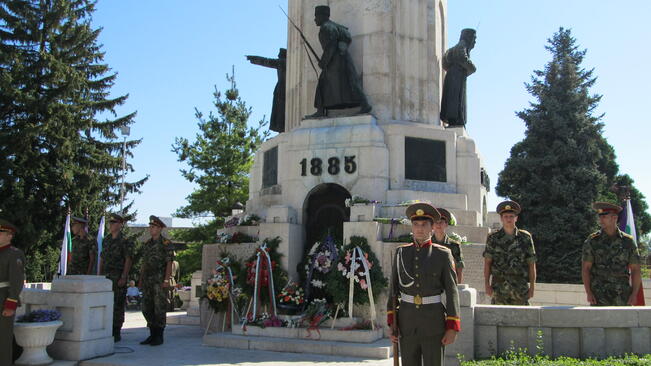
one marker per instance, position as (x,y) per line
(418,350)
(6,332)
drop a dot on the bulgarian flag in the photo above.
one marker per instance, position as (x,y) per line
(100,238)
(66,248)
(627,225)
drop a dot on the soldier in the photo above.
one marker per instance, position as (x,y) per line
(155,273)
(440,237)
(421,272)
(12,277)
(115,262)
(607,256)
(510,258)
(84,249)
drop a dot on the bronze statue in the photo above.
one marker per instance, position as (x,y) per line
(277,122)
(338,87)
(456,62)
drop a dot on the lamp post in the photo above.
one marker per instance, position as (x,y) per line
(124,130)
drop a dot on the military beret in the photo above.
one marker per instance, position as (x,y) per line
(79,220)
(7,226)
(422,210)
(154,220)
(508,206)
(117,218)
(447,215)
(322,10)
(604,208)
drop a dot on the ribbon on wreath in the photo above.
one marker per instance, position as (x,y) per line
(358,253)
(225,264)
(329,244)
(262,252)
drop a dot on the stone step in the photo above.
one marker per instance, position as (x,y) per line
(380,349)
(448,200)
(464,217)
(323,334)
(182,318)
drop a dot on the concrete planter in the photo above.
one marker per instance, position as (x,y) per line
(34,338)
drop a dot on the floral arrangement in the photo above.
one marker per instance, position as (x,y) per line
(39,316)
(233,221)
(275,273)
(338,282)
(221,291)
(319,262)
(236,237)
(459,238)
(218,293)
(358,200)
(266,320)
(393,221)
(291,294)
(250,220)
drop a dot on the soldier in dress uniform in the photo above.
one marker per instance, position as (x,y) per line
(510,259)
(12,277)
(155,273)
(607,257)
(441,237)
(115,262)
(84,249)
(421,272)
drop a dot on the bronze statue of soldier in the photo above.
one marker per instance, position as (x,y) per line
(277,121)
(457,64)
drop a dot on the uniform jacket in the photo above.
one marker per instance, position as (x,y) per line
(455,248)
(610,256)
(12,270)
(511,255)
(114,253)
(156,254)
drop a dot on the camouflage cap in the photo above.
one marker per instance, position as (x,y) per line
(7,226)
(605,208)
(508,206)
(79,220)
(447,216)
(322,10)
(422,211)
(155,221)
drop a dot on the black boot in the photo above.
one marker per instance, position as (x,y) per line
(157,340)
(151,336)
(116,335)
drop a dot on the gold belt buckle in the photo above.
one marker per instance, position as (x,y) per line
(418,300)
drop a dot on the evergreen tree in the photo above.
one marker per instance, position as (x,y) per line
(563,164)
(58,144)
(219,159)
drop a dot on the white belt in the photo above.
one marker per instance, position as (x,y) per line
(419,300)
(4,284)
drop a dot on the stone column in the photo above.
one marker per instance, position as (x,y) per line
(465,343)
(195,283)
(86,306)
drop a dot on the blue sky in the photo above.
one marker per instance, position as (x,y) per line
(170,55)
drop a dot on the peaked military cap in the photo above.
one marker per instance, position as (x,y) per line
(605,208)
(7,226)
(117,218)
(322,10)
(508,206)
(79,220)
(447,216)
(422,210)
(154,220)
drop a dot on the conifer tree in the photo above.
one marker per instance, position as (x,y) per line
(563,164)
(219,159)
(59,147)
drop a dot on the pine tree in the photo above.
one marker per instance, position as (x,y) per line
(58,144)
(220,157)
(563,164)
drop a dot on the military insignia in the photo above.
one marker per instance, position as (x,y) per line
(420,212)
(507,207)
(418,300)
(19,262)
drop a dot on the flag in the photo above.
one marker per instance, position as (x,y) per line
(627,225)
(100,238)
(66,248)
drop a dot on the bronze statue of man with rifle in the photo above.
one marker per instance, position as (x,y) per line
(339,86)
(421,272)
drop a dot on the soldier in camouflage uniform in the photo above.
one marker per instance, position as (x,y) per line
(510,259)
(155,273)
(12,276)
(115,262)
(440,237)
(607,256)
(84,249)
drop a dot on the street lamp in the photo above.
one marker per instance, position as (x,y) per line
(124,130)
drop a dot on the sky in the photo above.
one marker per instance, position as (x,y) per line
(171,55)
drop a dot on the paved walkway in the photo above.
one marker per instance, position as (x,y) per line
(183,348)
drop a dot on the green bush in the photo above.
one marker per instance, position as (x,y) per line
(520,358)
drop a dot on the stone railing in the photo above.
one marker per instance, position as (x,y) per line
(557,294)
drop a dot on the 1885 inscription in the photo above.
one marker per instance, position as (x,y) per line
(333,166)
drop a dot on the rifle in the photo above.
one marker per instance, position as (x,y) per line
(395,331)
(306,44)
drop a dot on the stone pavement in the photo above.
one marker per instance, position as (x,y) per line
(183,347)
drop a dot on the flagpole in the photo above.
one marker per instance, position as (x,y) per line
(100,239)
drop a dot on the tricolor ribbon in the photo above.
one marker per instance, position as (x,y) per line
(272,296)
(359,253)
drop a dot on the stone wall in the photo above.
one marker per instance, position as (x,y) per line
(555,294)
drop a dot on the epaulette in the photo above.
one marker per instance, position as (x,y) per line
(524,231)
(167,242)
(595,234)
(627,236)
(443,248)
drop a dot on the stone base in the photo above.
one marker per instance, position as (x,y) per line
(380,349)
(182,318)
(323,334)
(73,350)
